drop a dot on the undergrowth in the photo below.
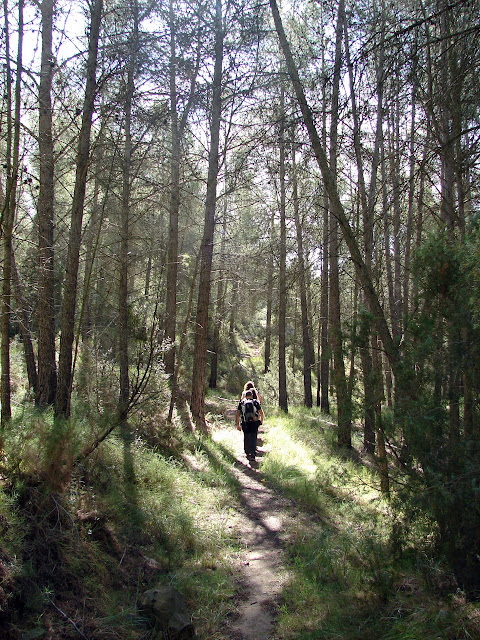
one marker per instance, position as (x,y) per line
(75,564)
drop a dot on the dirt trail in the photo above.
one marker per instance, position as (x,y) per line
(259,524)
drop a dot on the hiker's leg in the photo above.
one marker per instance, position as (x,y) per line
(254,439)
(245,439)
(250,441)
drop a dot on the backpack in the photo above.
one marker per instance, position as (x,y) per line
(249,410)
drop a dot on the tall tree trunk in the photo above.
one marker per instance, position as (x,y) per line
(234,303)
(219,307)
(411,200)
(325,351)
(323,400)
(268,327)
(183,340)
(197,402)
(282,285)
(367,202)
(47,367)
(396,310)
(381,458)
(336,338)
(177,128)
(9,209)
(307,345)
(65,373)
(123,359)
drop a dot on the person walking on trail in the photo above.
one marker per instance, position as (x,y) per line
(251,415)
(251,385)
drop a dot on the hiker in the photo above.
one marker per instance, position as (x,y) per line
(251,414)
(256,395)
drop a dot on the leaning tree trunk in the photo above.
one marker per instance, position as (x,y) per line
(362,272)
(197,401)
(65,373)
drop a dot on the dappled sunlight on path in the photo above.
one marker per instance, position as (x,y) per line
(259,525)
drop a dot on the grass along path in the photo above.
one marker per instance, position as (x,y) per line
(320,557)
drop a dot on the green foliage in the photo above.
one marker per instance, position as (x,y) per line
(91,551)
(441,356)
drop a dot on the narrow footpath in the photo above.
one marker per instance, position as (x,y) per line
(259,525)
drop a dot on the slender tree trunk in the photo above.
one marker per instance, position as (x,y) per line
(24,323)
(219,310)
(268,327)
(172,260)
(91,241)
(123,359)
(65,373)
(177,127)
(197,402)
(9,209)
(234,303)
(411,200)
(336,338)
(324,315)
(381,458)
(47,367)
(397,221)
(183,340)
(282,285)
(367,202)
(325,352)
(306,342)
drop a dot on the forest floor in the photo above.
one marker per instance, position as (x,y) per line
(258,524)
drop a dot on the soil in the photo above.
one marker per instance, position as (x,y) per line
(259,525)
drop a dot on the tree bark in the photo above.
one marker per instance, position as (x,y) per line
(62,400)
(123,359)
(336,338)
(282,285)
(219,307)
(25,331)
(197,402)
(367,202)
(9,209)
(306,342)
(177,128)
(268,327)
(47,367)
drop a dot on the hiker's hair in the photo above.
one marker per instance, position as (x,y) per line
(249,386)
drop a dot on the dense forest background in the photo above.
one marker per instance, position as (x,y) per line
(181,182)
